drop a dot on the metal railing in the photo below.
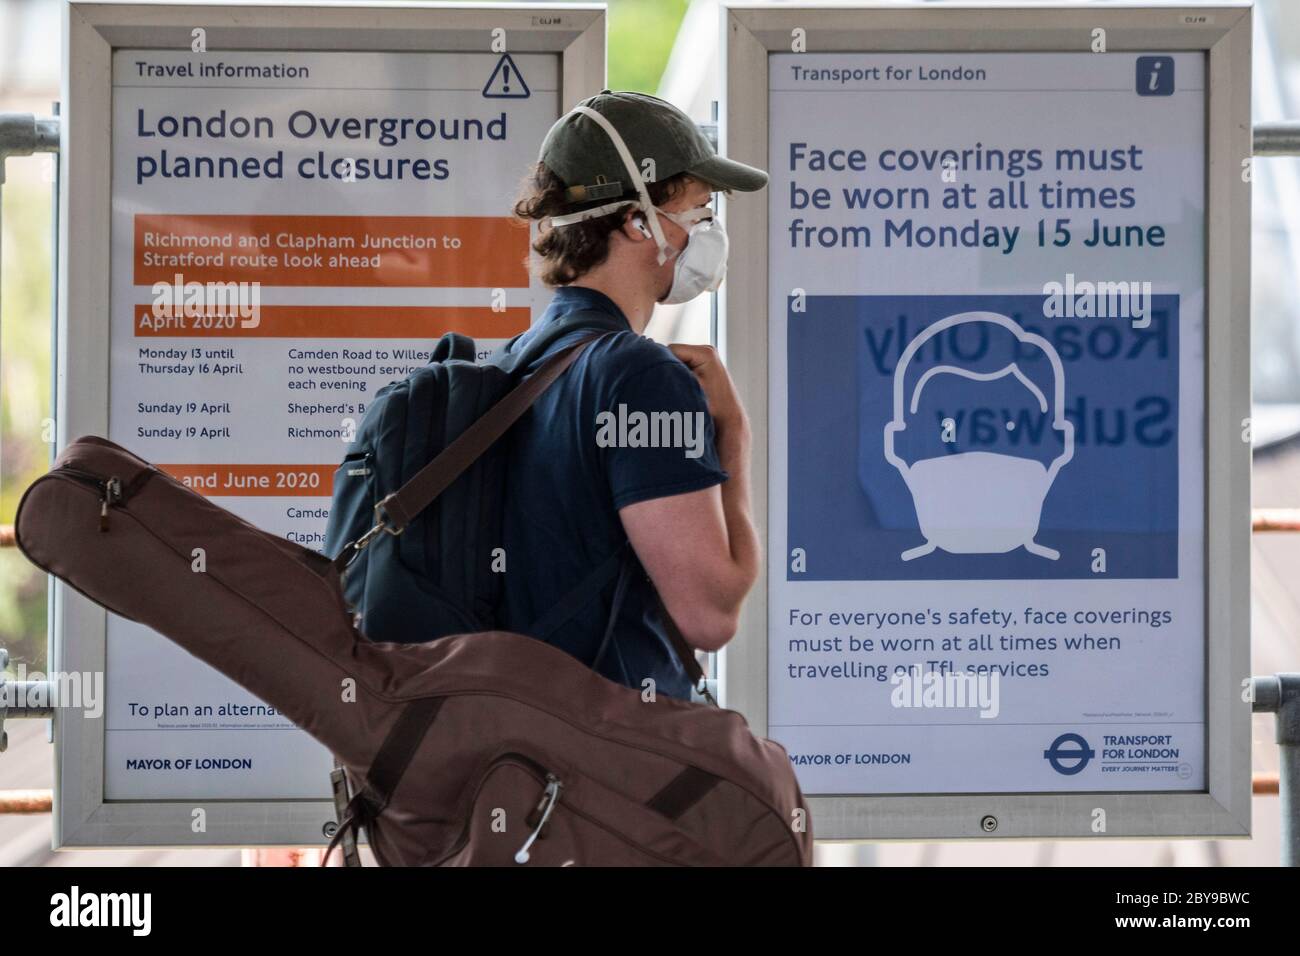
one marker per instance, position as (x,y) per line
(1277,139)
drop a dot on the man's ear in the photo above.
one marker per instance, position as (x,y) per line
(634,226)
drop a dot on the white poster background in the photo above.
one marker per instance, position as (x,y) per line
(159,743)
(844,735)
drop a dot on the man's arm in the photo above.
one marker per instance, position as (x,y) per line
(700,548)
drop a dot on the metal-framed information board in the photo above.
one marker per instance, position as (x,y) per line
(992,330)
(356,166)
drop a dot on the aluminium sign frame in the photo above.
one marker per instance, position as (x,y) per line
(1223,32)
(91,33)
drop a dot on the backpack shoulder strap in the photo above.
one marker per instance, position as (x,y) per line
(618,565)
(582,594)
(686,654)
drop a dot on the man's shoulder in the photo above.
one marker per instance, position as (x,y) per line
(621,356)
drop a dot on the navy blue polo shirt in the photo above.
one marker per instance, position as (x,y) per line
(570,471)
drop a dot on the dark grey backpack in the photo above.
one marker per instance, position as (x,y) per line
(416,516)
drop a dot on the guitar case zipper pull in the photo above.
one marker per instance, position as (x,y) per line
(112,496)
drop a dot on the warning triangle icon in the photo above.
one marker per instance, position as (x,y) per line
(506,82)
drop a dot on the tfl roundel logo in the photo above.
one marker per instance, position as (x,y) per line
(1069,754)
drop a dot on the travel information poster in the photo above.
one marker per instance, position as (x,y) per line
(986,463)
(366,198)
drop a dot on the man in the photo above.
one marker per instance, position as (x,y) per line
(621,193)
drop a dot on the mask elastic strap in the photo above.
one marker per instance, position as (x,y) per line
(683,219)
(645,204)
(595,213)
(689,217)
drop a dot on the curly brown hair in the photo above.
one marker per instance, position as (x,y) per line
(569,252)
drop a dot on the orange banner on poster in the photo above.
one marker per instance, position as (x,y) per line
(338,322)
(384,251)
(266,481)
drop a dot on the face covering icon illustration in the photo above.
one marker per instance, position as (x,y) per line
(977,502)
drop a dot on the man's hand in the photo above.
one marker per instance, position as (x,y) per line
(720,391)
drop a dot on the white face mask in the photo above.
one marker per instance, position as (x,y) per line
(701,266)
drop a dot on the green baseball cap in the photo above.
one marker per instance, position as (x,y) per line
(581,152)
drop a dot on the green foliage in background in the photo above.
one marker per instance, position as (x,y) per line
(24,391)
(640,35)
